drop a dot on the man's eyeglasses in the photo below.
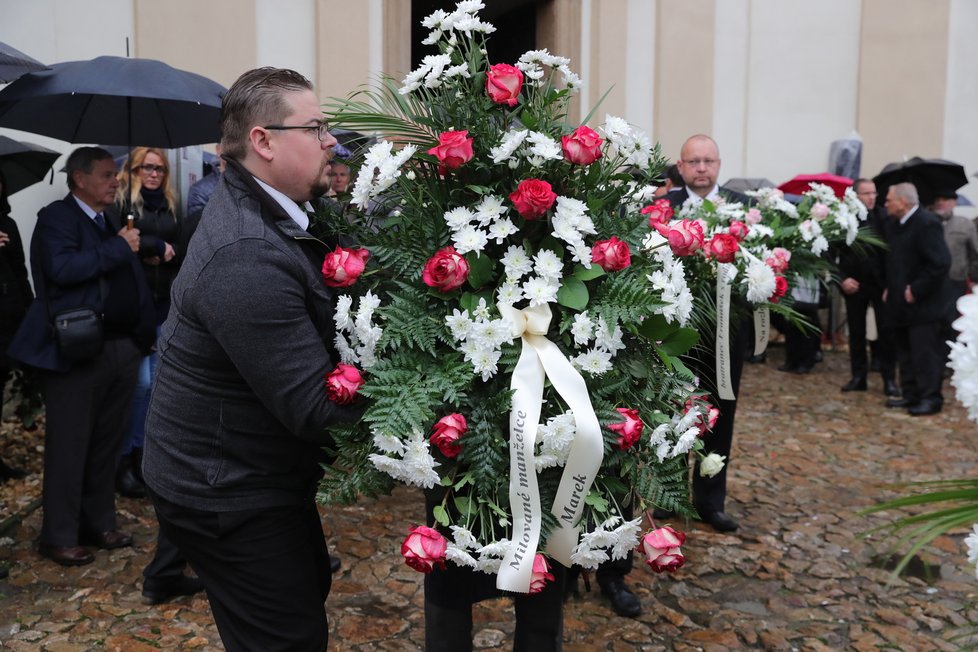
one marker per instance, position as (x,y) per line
(321,129)
(150,169)
(696,162)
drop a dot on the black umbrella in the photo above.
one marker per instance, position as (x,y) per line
(115,101)
(24,164)
(14,63)
(929,175)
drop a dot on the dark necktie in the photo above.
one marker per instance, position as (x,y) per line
(100,221)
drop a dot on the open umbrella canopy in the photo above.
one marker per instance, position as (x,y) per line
(115,101)
(24,164)
(929,175)
(742,184)
(14,63)
(801,183)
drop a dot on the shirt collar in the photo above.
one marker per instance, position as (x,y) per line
(85,207)
(299,215)
(697,200)
(903,220)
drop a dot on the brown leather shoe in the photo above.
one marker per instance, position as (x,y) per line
(67,556)
(108,540)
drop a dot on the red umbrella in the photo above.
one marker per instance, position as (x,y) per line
(802,183)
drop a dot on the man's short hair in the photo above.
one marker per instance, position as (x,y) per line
(256,98)
(855,184)
(907,192)
(82,160)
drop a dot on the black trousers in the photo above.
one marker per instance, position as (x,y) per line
(800,346)
(856,306)
(88,411)
(920,353)
(265,571)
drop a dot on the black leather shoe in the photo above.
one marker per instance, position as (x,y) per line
(334,564)
(623,601)
(890,388)
(719,521)
(109,540)
(786,367)
(758,359)
(66,556)
(159,592)
(819,356)
(803,369)
(856,384)
(924,408)
(126,482)
(898,402)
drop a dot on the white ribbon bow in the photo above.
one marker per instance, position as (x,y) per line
(541,359)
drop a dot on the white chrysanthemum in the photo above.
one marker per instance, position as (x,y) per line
(760,281)
(574,211)
(964,354)
(491,333)
(580,253)
(347,354)
(819,245)
(509,294)
(510,143)
(582,329)
(686,441)
(458,218)
(547,264)
(609,340)
(570,79)
(557,436)
(544,461)
(760,232)
(539,291)
(972,542)
(809,230)
(379,171)
(469,238)
(459,323)
(501,229)
(587,558)
(481,310)
(463,538)
(341,316)
(543,148)
(594,362)
(484,362)
(489,209)
(459,556)
(388,443)
(516,263)
(628,534)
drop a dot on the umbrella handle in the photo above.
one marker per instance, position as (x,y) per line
(129,222)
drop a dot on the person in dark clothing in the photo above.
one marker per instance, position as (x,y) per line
(78,262)
(863,274)
(916,298)
(801,344)
(15,298)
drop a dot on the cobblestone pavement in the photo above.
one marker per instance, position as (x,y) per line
(797,576)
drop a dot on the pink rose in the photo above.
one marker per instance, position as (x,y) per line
(723,247)
(820,211)
(685,237)
(446,270)
(453,150)
(541,574)
(503,83)
(753,216)
(533,198)
(661,548)
(448,430)
(659,212)
(582,147)
(612,255)
(343,267)
(424,548)
(707,420)
(630,430)
(342,384)
(738,230)
(780,288)
(779,260)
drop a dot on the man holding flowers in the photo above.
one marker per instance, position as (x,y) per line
(239,412)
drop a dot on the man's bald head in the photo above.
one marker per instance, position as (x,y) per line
(699,164)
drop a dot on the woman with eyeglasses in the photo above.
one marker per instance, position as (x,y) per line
(147,194)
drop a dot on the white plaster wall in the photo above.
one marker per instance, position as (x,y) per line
(640,65)
(961,103)
(286,35)
(731,79)
(803,84)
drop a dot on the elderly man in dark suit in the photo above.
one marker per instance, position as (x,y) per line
(863,274)
(916,298)
(238,413)
(78,261)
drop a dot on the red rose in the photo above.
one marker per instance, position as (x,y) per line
(659,212)
(424,548)
(738,230)
(446,270)
(503,83)
(342,384)
(582,147)
(453,150)
(611,255)
(780,288)
(723,247)
(533,198)
(708,420)
(448,430)
(540,574)
(630,430)
(685,237)
(661,548)
(343,267)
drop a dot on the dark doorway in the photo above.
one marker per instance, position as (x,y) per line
(515,22)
